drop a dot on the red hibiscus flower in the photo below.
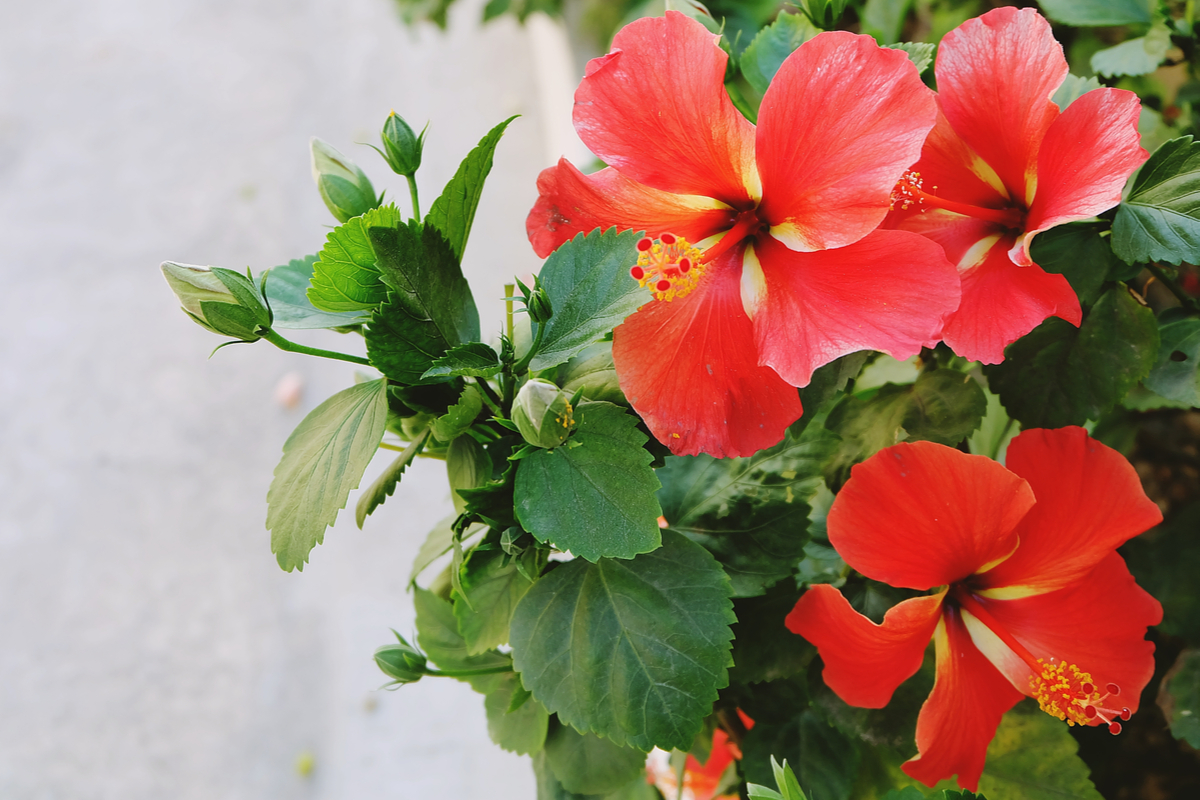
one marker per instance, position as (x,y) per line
(700,781)
(1002,164)
(1033,598)
(760,255)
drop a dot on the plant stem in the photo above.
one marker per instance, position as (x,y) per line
(412,190)
(283,344)
(489,397)
(467,673)
(522,365)
(1183,297)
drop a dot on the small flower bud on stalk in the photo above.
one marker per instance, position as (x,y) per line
(224,301)
(343,186)
(401,147)
(401,662)
(542,413)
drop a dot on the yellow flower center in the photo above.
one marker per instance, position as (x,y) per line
(668,266)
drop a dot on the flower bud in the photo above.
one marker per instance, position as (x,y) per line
(343,186)
(538,306)
(401,147)
(401,662)
(592,370)
(542,413)
(221,300)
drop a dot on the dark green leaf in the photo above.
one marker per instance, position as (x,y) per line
(493,586)
(1078,252)
(454,211)
(1175,375)
(1179,697)
(907,793)
(825,760)
(595,495)
(632,650)
(1098,12)
(1160,220)
(385,484)
(493,501)
(323,459)
(1166,561)
(763,649)
(942,406)
(400,345)
(548,787)
(468,466)
(1033,757)
(587,282)
(586,764)
(827,381)
(521,730)
(1139,56)
(1058,375)
(437,633)
(474,359)
(345,276)
(763,56)
(286,289)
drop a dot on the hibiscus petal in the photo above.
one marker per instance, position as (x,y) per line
(995,76)
(1002,302)
(656,109)
(690,370)
(1088,154)
(570,202)
(841,122)
(865,662)
(889,292)
(959,719)
(1098,624)
(1089,502)
(921,515)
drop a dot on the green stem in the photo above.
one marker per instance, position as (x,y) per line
(1183,297)
(412,190)
(283,344)
(521,366)
(489,397)
(467,673)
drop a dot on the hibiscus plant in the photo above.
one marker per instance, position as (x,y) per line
(817,457)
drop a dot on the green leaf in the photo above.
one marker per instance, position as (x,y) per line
(345,277)
(379,491)
(942,406)
(1070,90)
(595,495)
(592,371)
(1139,56)
(493,586)
(1098,12)
(884,19)
(323,459)
(1179,697)
(907,793)
(468,466)
(587,282)
(437,543)
(474,359)
(1166,561)
(750,513)
(757,791)
(1078,252)
(631,650)
(1175,375)
(400,345)
(286,289)
(521,730)
(438,636)
(763,649)
(1058,375)
(824,758)
(454,211)
(828,381)
(1033,757)
(920,53)
(785,779)
(458,418)
(586,764)
(763,56)
(995,431)
(548,787)
(1160,219)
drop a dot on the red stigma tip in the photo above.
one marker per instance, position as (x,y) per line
(1088,688)
(1126,713)
(645,244)
(1113,689)
(1089,711)
(1114,728)
(685,264)
(666,238)
(663,285)
(637,273)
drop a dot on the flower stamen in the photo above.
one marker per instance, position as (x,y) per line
(910,191)
(669,266)
(1068,693)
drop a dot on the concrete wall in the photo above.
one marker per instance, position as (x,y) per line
(149,645)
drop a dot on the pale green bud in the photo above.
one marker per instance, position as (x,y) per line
(221,300)
(592,370)
(401,662)
(542,413)
(343,186)
(401,147)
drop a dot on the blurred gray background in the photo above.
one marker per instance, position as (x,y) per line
(149,645)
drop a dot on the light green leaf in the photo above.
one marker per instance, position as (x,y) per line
(586,764)
(323,459)
(1070,90)
(1160,220)
(345,277)
(884,19)
(1175,374)
(437,633)
(1179,697)
(467,466)
(766,53)
(379,491)
(458,418)
(756,791)
(474,359)
(1139,56)
(920,53)
(454,211)
(587,282)
(995,431)
(1098,12)
(548,787)
(632,650)
(493,586)
(521,730)
(286,289)
(437,543)
(595,495)
(1033,757)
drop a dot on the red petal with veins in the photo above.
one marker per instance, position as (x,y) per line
(920,515)
(570,202)
(1098,624)
(841,122)
(995,76)
(656,109)
(1089,502)
(690,370)
(865,662)
(1002,302)
(890,292)
(961,715)
(1088,154)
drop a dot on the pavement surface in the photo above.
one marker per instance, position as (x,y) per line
(150,647)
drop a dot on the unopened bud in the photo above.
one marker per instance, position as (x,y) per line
(592,370)
(542,413)
(401,147)
(538,306)
(401,662)
(343,186)
(221,300)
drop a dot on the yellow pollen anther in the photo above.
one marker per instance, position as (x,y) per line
(668,266)
(908,191)
(1066,692)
